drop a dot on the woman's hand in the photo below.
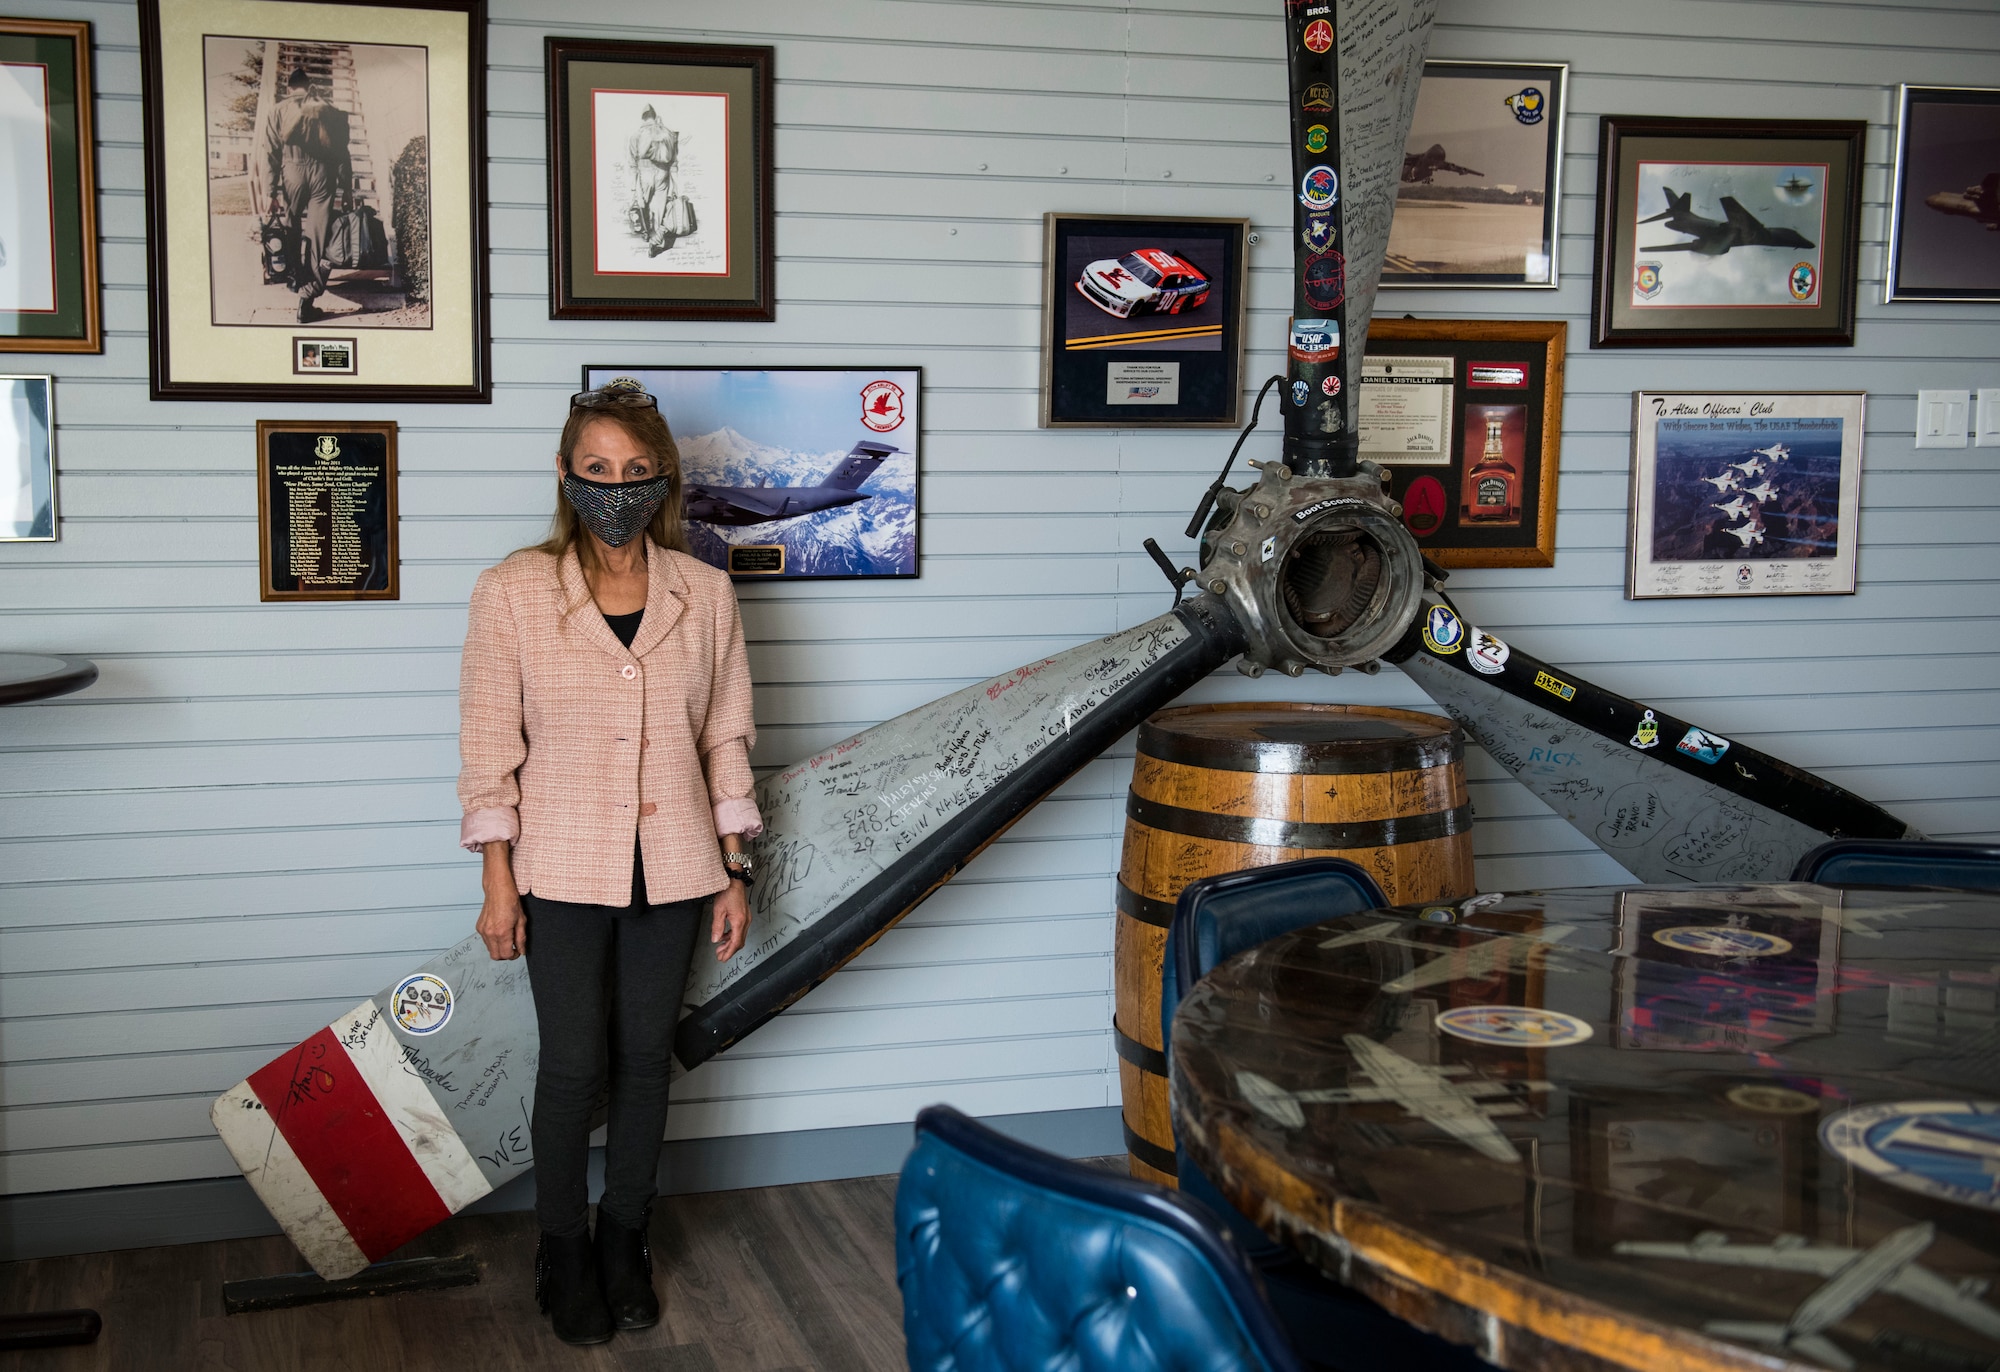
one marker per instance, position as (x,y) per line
(503,924)
(731,924)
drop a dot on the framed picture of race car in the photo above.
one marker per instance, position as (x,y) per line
(1142,321)
(660,194)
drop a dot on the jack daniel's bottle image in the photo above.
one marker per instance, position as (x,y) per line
(1491,493)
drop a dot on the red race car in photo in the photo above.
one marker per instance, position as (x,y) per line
(1145,281)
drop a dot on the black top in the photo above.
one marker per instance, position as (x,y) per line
(625,626)
(33,676)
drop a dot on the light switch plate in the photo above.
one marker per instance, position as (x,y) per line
(1941,418)
(1986,419)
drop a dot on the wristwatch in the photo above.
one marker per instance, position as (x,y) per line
(741,867)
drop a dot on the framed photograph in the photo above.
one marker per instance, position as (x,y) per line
(1466,415)
(1142,321)
(660,166)
(48,190)
(326,510)
(1482,178)
(1726,232)
(27,459)
(316,168)
(1744,493)
(794,473)
(1944,230)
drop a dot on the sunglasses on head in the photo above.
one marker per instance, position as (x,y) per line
(622,394)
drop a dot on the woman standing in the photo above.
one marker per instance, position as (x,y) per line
(605,729)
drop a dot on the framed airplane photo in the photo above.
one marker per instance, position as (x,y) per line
(794,473)
(1944,233)
(1726,232)
(1739,493)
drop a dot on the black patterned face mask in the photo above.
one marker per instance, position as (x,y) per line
(617,511)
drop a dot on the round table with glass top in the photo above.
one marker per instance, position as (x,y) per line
(1649,1127)
(36,676)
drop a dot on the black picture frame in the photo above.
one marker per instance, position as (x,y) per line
(1803,294)
(749,435)
(720,90)
(1193,369)
(1941,237)
(436,342)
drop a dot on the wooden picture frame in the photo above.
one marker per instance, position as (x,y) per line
(1484,393)
(350,203)
(1175,358)
(1945,193)
(757,441)
(1731,233)
(1450,218)
(1777,462)
(50,298)
(326,493)
(661,199)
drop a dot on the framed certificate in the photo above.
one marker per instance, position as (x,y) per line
(48,190)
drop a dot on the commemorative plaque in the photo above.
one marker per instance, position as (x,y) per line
(326,510)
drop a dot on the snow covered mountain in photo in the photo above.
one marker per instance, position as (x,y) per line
(877,537)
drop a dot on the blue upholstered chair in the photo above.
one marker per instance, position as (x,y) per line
(1330,1326)
(1901,862)
(1013,1260)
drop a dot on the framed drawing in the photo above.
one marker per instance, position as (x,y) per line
(660,167)
(48,190)
(27,459)
(1142,321)
(1744,493)
(1466,415)
(1946,215)
(326,510)
(1726,232)
(1482,178)
(316,168)
(794,473)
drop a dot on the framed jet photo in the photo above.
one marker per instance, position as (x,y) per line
(316,169)
(794,473)
(1142,321)
(1482,178)
(1726,232)
(1739,493)
(1944,233)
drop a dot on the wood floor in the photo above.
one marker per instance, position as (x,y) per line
(776,1280)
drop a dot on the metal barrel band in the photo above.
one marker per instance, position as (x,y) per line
(1145,909)
(1284,833)
(1146,1151)
(1141,1056)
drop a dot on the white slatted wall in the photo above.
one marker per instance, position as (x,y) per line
(248,824)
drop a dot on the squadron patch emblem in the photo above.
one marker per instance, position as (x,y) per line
(1647,735)
(1527,104)
(1319,35)
(1488,655)
(1646,280)
(1947,1149)
(1443,633)
(1513,1026)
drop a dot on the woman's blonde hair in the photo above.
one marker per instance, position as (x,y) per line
(648,428)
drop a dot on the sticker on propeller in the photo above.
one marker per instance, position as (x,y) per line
(1513,1026)
(1319,187)
(1269,550)
(1647,735)
(1443,634)
(420,1004)
(1555,686)
(1722,941)
(1300,390)
(1487,653)
(1947,1149)
(1703,746)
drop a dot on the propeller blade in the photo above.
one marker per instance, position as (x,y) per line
(1668,799)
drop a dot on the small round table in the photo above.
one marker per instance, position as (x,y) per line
(1655,1127)
(34,676)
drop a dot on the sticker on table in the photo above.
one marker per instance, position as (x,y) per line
(1513,1026)
(1946,1149)
(420,1004)
(1722,941)
(1771,1100)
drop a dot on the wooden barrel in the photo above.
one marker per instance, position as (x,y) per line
(1218,788)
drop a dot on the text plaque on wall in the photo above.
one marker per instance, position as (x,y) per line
(326,510)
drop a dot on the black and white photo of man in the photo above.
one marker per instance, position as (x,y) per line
(662,172)
(308,168)
(660,213)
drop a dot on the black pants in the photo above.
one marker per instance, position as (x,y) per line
(307,192)
(608,987)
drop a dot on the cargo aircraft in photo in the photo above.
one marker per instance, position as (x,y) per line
(743,505)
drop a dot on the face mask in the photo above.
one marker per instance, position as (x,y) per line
(616,511)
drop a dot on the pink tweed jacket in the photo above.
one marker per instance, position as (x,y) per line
(571,743)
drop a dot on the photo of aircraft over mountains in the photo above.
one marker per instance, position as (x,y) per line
(1721,494)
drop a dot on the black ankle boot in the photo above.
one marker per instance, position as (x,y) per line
(566,1287)
(625,1262)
